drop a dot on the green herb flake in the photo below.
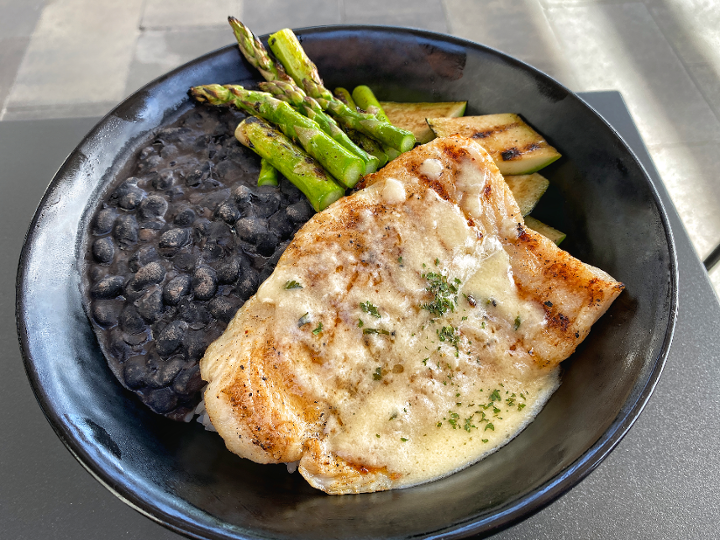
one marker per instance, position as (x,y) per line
(370,309)
(517,323)
(437,262)
(289,285)
(376,331)
(484,440)
(305,319)
(489,426)
(521,406)
(378,375)
(400,260)
(403,439)
(445,294)
(377,435)
(495,396)
(425,361)
(360,323)
(439,424)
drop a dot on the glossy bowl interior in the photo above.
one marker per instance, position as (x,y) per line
(182,476)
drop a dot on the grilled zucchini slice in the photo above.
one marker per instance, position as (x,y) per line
(411,116)
(515,147)
(546,230)
(527,190)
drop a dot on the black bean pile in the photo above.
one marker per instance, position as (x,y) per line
(176,247)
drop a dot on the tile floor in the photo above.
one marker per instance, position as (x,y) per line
(71,58)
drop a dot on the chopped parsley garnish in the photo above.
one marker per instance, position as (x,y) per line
(425,361)
(305,319)
(445,294)
(448,333)
(377,435)
(360,323)
(368,308)
(318,329)
(377,376)
(399,259)
(489,426)
(484,440)
(403,439)
(292,285)
(376,331)
(517,322)
(495,396)
(521,406)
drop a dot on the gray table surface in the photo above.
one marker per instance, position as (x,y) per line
(662,481)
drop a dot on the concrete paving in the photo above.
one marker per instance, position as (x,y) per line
(72,58)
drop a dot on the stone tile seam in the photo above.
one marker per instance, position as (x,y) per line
(685,64)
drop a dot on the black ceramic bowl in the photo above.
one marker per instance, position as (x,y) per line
(183,477)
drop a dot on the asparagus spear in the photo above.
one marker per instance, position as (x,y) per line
(254,51)
(286,47)
(289,91)
(369,145)
(268,174)
(339,162)
(365,99)
(343,95)
(297,166)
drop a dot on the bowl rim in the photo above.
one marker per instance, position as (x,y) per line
(505,516)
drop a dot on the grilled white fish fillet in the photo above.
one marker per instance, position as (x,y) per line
(408,330)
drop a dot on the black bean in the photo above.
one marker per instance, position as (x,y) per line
(170,338)
(195,177)
(290,192)
(184,261)
(281,224)
(196,343)
(228,171)
(267,200)
(188,381)
(251,229)
(204,282)
(125,231)
(176,288)
(131,199)
(222,308)
(130,321)
(171,241)
(162,400)
(160,373)
(163,180)
(243,196)
(135,371)
(108,287)
(147,152)
(247,283)
(135,340)
(202,226)
(143,256)
(214,198)
(195,314)
(228,272)
(228,212)
(103,250)
(153,272)
(104,221)
(300,212)
(151,163)
(150,305)
(184,216)
(106,312)
(153,207)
